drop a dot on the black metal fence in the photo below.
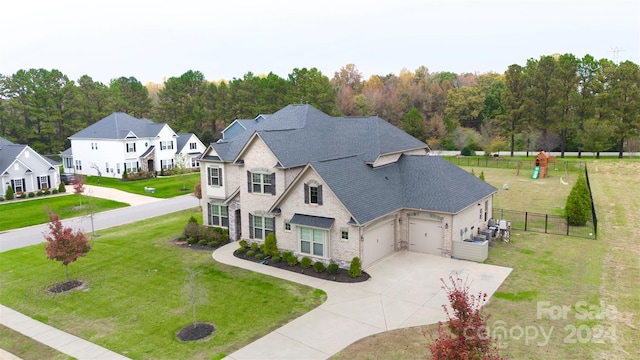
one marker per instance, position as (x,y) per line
(594,218)
(510,163)
(545,223)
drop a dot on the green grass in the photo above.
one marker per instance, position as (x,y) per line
(27,348)
(136,294)
(30,212)
(166,187)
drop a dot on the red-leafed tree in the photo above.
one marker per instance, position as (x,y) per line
(468,337)
(63,244)
(78,187)
(197,190)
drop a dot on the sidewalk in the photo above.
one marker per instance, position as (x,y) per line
(54,338)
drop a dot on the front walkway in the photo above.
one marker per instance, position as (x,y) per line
(404,291)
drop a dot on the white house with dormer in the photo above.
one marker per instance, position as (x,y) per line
(24,170)
(121,142)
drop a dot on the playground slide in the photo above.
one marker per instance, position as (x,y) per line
(536,170)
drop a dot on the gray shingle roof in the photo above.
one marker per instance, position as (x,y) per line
(312,221)
(413,182)
(182,140)
(299,134)
(4,142)
(8,154)
(117,126)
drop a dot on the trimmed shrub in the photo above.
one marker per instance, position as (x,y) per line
(213,244)
(261,247)
(192,230)
(62,188)
(243,243)
(31,194)
(251,253)
(292,260)
(286,254)
(54,191)
(47,192)
(23,196)
(192,240)
(578,206)
(467,151)
(241,250)
(333,268)
(355,269)
(192,220)
(203,242)
(9,193)
(259,256)
(255,246)
(318,266)
(125,175)
(1,198)
(276,259)
(271,245)
(473,172)
(40,193)
(481,177)
(305,263)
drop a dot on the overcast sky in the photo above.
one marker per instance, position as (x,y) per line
(157,39)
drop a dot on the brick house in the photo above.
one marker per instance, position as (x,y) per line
(333,188)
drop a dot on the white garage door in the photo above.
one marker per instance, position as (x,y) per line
(378,242)
(425,236)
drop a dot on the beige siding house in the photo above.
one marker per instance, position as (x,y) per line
(333,188)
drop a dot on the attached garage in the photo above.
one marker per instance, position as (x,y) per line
(425,235)
(378,242)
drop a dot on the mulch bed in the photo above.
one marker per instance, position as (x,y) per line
(341,276)
(198,332)
(65,286)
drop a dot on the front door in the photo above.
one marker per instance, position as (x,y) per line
(150,165)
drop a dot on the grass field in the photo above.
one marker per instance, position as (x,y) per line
(166,187)
(26,348)
(21,213)
(136,294)
(595,279)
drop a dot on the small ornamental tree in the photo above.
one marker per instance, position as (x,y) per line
(63,244)
(197,190)
(355,269)
(271,245)
(467,338)
(481,176)
(9,193)
(62,188)
(578,206)
(78,187)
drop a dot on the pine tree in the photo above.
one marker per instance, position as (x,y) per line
(578,206)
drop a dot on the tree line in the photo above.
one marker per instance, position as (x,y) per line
(557,102)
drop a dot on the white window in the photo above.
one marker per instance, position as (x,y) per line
(214,176)
(193,146)
(166,145)
(106,166)
(131,147)
(94,146)
(313,193)
(262,183)
(43,182)
(344,234)
(17,185)
(131,166)
(486,207)
(68,163)
(218,215)
(118,168)
(78,164)
(312,241)
(166,164)
(195,162)
(287,225)
(261,226)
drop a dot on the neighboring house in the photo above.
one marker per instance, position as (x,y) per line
(333,188)
(121,142)
(190,146)
(24,170)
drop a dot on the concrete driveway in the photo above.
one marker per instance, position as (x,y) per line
(404,291)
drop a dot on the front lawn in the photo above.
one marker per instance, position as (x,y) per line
(21,213)
(136,295)
(165,187)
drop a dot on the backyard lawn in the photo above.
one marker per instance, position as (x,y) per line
(26,212)
(165,186)
(595,279)
(136,294)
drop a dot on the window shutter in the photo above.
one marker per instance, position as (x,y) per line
(39,186)
(209,175)
(273,183)
(220,177)
(24,185)
(319,194)
(48,181)
(13,186)
(306,193)
(209,215)
(250,226)
(249,185)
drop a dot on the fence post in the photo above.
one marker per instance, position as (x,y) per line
(526,218)
(546,221)
(567,226)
